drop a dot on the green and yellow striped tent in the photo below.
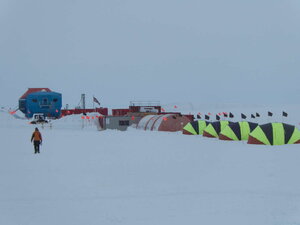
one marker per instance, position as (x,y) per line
(237,131)
(274,134)
(213,129)
(195,127)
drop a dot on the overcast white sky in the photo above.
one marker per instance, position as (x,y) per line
(174,51)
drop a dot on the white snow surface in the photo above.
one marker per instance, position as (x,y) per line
(84,176)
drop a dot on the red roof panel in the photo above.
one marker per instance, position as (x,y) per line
(32,90)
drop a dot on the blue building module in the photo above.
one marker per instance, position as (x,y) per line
(47,103)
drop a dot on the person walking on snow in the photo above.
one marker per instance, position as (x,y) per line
(37,140)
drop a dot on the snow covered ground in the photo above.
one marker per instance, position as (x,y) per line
(84,176)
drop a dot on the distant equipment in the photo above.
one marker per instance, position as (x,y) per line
(38,118)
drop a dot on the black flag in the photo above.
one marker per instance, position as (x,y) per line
(231,115)
(243,116)
(217,117)
(206,117)
(198,117)
(96,100)
(225,114)
(257,115)
(270,114)
(252,116)
(284,114)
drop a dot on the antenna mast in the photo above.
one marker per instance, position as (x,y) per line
(83,101)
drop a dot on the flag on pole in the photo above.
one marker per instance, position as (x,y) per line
(284,114)
(257,115)
(217,117)
(198,116)
(252,116)
(225,114)
(231,115)
(96,100)
(206,117)
(270,114)
(243,116)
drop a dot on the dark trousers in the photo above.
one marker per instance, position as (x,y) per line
(36,145)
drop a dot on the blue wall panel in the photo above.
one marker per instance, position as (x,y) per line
(48,103)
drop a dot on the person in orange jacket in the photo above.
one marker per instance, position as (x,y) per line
(37,140)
